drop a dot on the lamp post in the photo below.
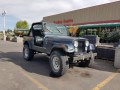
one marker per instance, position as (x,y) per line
(3,14)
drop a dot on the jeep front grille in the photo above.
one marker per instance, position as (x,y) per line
(81,46)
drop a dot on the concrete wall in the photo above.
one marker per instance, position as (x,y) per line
(107,12)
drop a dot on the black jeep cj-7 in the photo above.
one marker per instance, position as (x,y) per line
(53,40)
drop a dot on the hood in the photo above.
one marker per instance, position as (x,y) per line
(65,38)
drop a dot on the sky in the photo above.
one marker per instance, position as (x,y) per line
(35,10)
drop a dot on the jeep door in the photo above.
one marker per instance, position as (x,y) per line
(38,36)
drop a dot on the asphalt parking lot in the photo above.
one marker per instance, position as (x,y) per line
(18,74)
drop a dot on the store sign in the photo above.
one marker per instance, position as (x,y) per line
(63,21)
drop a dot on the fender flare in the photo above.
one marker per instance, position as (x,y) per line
(28,43)
(61,47)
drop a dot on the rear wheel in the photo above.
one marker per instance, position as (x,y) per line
(58,63)
(84,63)
(28,53)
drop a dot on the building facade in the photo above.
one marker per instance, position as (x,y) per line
(106,13)
(102,20)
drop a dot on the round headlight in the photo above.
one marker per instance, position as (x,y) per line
(91,47)
(87,43)
(75,43)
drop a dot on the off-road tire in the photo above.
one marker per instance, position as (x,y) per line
(62,62)
(29,51)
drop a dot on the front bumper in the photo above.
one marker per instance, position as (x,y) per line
(85,56)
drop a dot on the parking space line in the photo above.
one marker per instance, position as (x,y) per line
(104,82)
(37,83)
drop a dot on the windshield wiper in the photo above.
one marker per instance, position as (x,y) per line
(58,30)
(48,30)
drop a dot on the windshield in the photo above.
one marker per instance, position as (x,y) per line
(51,28)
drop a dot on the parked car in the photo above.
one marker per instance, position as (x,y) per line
(64,51)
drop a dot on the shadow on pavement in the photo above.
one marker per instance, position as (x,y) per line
(103,65)
(39,65)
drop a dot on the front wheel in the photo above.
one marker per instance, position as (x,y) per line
(28,53)
(58,63)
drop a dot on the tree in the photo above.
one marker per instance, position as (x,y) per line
(22,25)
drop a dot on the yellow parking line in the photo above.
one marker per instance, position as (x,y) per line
(40,85)
(103,83)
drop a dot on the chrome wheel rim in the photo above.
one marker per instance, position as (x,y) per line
(56,63)
(26,53)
